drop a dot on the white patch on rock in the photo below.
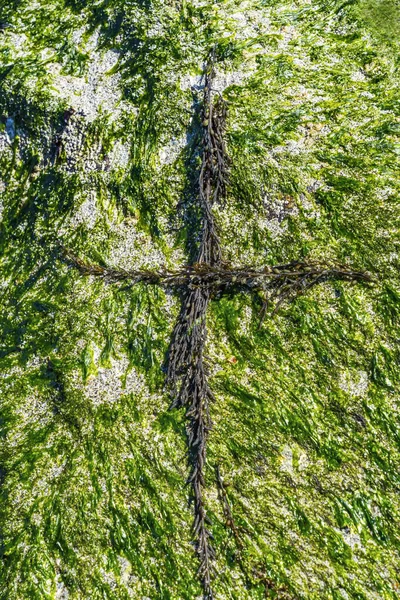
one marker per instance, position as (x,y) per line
(288,33)
(221,81)
(350,538)
(119,156)
(18,41)
(245,321)
(355,383)
(4,143)
(61,591)
(126,569)
(276,210)
(310,211)
(366,94)
(303,461)
(357,76)
(287,459)
(86,213)
(225,80)
(107,385)
(97,92)
(134,249)
(170,152)
(250,23)
(191,81)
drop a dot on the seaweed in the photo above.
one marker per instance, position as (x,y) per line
(209,277)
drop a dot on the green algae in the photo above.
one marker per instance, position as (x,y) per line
(306,425)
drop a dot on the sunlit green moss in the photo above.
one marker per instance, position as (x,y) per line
(306,424)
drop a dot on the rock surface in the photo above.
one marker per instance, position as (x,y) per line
(98,129)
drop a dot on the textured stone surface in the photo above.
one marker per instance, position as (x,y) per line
(98,129)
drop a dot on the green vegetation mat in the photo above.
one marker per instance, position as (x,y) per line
(98,123)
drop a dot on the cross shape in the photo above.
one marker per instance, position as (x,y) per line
(209,276)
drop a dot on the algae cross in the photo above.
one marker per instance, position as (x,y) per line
(198,283)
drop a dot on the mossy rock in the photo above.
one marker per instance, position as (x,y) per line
(98,126)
